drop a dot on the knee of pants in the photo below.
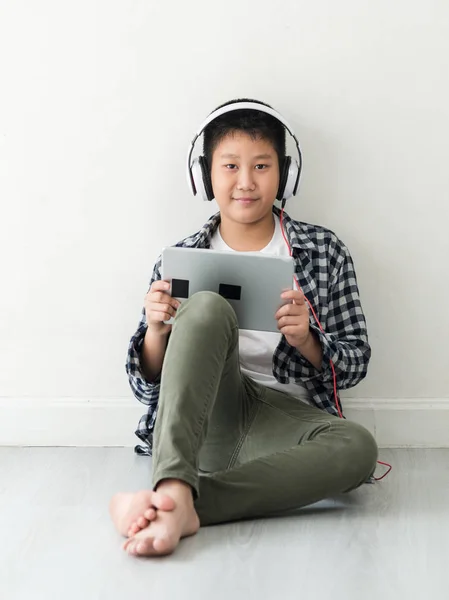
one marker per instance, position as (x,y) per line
(362,450)
(209,307)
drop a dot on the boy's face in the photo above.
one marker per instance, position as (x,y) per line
(244,168)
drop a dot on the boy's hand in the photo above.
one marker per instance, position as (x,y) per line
(159,307)
(293,319)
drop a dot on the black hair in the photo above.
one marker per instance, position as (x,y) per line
(255,123)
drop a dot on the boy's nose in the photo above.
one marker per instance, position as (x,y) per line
(245,180)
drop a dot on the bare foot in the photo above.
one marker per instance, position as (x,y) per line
(163,533)
(127,510)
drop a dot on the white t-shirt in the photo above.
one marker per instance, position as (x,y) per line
(256,348)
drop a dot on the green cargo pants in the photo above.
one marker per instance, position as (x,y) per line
(246,450)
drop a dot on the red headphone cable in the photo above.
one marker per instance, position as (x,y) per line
(337,402)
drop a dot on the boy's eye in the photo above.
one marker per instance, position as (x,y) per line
(230,166)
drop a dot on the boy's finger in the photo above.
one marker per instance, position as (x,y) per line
(290,310)
(295,295)
(159,286)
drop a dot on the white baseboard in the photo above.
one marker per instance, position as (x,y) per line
(395,423)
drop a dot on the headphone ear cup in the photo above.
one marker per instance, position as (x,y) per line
(292,179)
(207,181)
(289,180)
(283,178)
(198,179)
(195,177)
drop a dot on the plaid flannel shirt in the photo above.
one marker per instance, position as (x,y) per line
(326,274)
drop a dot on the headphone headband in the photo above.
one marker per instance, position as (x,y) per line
(243,105)
(230,108)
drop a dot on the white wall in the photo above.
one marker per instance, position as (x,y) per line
(98,102)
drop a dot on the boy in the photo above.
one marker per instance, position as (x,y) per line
(247,421)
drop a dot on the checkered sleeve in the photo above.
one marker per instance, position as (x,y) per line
(145,392)
(345,341)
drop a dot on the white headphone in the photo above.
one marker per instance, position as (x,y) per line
(198,172)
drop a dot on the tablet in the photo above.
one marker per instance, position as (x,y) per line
(252,282)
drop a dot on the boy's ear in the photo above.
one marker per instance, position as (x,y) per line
(205,171)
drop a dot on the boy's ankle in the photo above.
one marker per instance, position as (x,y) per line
(174,486)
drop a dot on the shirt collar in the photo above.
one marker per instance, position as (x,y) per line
(295,232)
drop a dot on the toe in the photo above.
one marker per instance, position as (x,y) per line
(162,545)
(133,530)
(142,522)
(126,544)
(131,547)
(163,501)
(150,514)
(145,547)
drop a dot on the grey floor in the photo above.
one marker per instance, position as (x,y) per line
(388,540)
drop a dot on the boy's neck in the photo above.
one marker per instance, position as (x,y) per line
(250,237)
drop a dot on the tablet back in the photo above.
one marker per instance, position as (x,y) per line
(252,282)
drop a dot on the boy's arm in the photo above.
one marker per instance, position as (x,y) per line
(146,390)
(345,337)
(152,355)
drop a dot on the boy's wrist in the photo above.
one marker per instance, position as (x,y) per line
(312,350)
(156,333)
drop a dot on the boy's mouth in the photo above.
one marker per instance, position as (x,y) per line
(246,200)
